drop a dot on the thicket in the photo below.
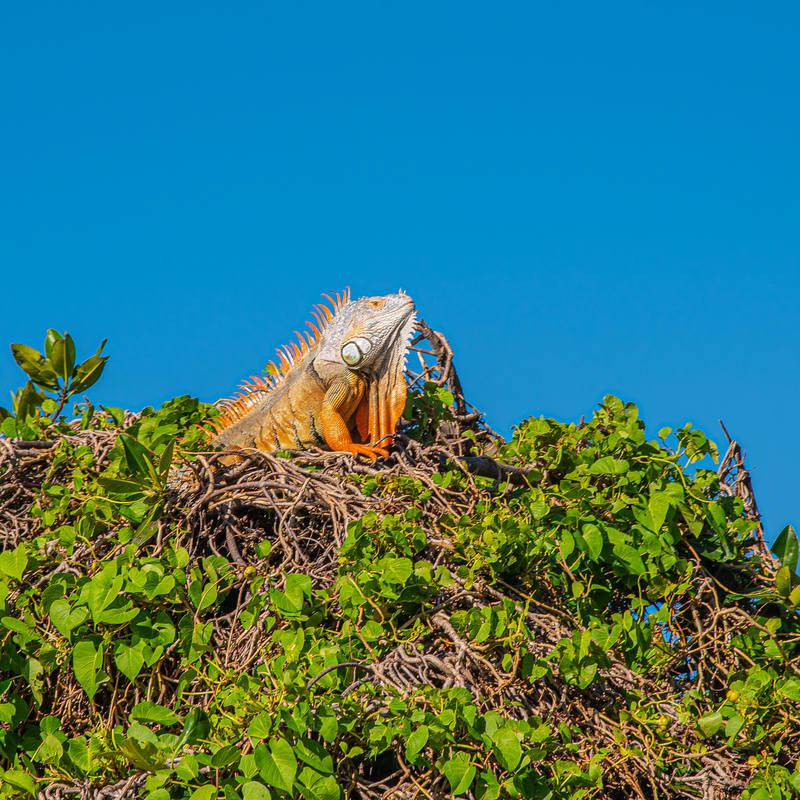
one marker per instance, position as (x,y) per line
(581,612)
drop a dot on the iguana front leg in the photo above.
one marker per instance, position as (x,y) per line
(339,404)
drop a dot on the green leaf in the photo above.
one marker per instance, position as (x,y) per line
(445,395)
(101,593)
(459,772)
(278,765)
(206,792)
(786,548)
(62,357)
(35,365)
(415,742)
(136,456)
(13,562)
(49,724)
(225,755)
(51,749)
(33,673)
(53,591)
(20,779)
(26,400)
(506,748)
(203,595)
(9,426)
(116,486)
(594,541)
(733,726)
(794,596)
(166,459)
(328,724)
(609,466)
(630,557)
(298,586)
(65,618)
(710,723)
(52,336)
(314,754)
(13,624)
(78,752)
(129,659)
(783,581)
(318,787)
(658,505)
(117,414)
(88,373)
(396,570)
(260,726)
(147,711)
(253,790)
(139,751)
(196,727)
(87,661)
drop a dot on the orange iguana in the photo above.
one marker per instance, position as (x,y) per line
(343,382)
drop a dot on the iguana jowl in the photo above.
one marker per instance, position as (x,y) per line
(343,380)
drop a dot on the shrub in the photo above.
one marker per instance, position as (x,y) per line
(598,618)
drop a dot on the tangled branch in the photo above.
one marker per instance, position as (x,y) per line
(302,505)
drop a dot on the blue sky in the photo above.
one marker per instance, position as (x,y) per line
(585,198)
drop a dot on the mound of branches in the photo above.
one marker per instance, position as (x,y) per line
(580,612)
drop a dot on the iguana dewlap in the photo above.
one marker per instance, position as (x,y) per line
(341,388)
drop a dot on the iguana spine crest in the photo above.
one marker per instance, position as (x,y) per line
(259,386)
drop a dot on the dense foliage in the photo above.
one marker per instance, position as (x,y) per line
(596,621)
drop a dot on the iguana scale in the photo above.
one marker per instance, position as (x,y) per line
(343,381)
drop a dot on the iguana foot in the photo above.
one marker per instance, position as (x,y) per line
(371,453)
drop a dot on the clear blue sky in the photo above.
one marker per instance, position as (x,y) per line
(586,198)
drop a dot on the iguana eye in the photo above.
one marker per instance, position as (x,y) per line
(354,351)
(351,354)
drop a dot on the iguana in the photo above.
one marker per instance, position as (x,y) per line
(341,387)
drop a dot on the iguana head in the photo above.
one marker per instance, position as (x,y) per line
(369,335)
